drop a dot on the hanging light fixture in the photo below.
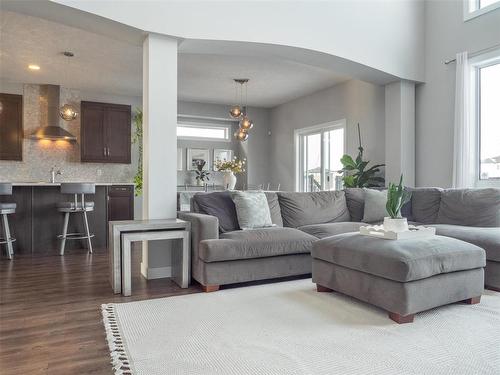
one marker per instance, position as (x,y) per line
(241,135)
(236,110)
(68,112)
(245,123)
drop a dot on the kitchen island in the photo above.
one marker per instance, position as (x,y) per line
(37,222)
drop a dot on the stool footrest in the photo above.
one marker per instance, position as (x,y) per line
(75,236)
(10,240)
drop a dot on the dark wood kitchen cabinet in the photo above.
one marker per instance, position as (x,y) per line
(105,132)
(11,127)
(121,202)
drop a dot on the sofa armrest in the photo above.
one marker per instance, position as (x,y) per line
(203,227)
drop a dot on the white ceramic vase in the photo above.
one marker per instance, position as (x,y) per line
(229,180)
(395,225)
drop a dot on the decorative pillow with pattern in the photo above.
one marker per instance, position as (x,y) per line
(252,210)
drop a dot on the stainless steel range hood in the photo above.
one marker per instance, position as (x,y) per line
(52,131)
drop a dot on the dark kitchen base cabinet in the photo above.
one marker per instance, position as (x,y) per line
(37,222)
(120,203)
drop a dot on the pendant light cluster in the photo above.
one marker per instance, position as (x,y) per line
(68,112)
(239,111)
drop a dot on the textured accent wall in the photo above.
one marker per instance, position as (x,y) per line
(40,156)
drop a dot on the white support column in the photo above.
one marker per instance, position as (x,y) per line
(159,100)
(400,132)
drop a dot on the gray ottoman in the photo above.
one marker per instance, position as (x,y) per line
(403,277)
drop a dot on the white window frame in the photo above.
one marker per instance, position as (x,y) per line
(476,63)
(201,125)
(472,10)
(298,156)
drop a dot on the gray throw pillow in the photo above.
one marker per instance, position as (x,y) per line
(252,210)
(375,201)
(220,205)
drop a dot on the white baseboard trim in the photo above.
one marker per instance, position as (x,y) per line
(155,273)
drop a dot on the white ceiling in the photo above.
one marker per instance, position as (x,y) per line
(106,65)
(208,78)
(100,64)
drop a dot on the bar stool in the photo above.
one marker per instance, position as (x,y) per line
(75,206)
(6,209)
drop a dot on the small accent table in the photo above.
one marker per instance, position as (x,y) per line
(123,233)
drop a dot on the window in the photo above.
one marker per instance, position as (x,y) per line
(489,121)
(475,8)
(486,89)
(318,151)
(195,131)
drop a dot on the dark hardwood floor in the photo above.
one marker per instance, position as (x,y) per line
(50,319)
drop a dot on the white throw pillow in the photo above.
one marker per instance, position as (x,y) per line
(375,201)
(252,210)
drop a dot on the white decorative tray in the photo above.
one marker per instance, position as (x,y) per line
(414,231)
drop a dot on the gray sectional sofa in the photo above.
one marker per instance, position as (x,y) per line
(223,254)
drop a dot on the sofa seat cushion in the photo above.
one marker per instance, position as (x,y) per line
(331,229)
(256,243)
(402,260)
(486,238)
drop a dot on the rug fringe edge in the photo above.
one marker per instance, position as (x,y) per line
(119,359)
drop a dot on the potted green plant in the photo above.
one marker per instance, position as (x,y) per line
(356,172)
(397,197)
(201,175)
(137,138)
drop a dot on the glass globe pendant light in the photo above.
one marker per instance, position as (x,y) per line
(240,112)
(245,123)
(235,111)
(241,135)
(68,112)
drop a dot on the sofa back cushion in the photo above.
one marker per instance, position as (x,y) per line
(274,208)
(298,209)
(425,204)
(470,207)
(355,198)
(218,204)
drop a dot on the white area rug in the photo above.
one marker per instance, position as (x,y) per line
(289,328)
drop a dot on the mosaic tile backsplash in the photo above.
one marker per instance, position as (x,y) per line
(40,156)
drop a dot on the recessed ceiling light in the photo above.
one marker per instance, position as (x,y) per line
(33,67)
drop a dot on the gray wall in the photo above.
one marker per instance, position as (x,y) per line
(446,34)
(355,101)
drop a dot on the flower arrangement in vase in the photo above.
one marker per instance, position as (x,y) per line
(229,168)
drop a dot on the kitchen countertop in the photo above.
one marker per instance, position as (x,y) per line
(59,183)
